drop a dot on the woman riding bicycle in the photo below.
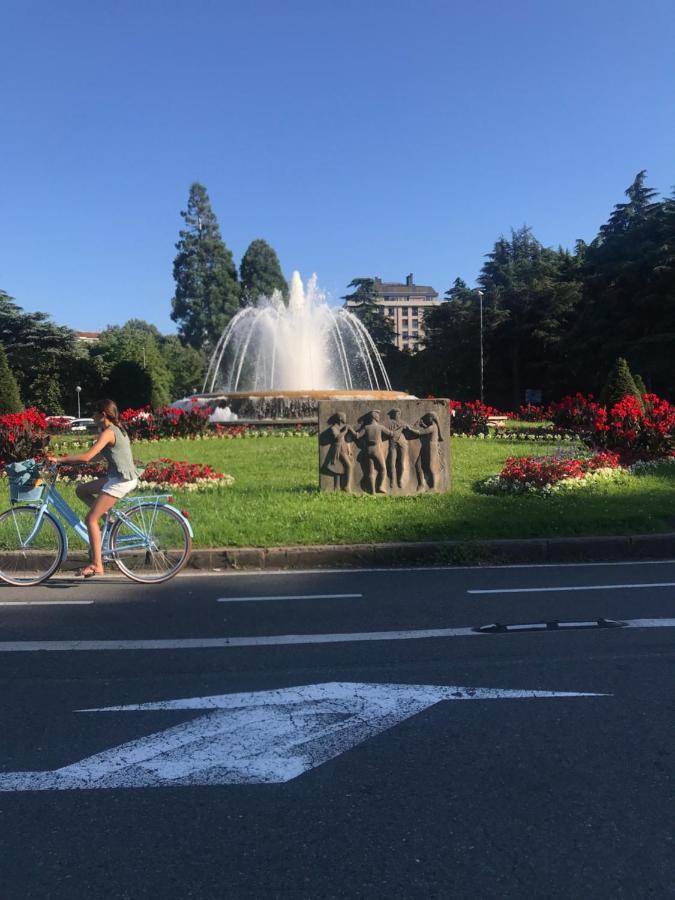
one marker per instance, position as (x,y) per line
(101,494)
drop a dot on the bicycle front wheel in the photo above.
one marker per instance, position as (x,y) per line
(29,552)
(151,543)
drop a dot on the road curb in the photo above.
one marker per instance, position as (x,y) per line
(459,553)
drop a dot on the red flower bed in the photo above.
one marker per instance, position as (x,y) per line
(530,412)
(179,474)
(471,417)
(580,414)
(166,422)
(22,435)
(634,432)
(161,472)
(551,469)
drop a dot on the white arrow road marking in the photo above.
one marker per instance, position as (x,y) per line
(264,737)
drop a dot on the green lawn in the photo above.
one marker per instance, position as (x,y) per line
(275,499)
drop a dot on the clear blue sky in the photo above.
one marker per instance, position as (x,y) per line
(359,137)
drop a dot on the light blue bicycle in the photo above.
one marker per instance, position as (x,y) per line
(148,539)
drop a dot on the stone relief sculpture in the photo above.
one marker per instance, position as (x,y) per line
(371,436)
(403,454)
(428,462)
(398,460)
(340,460)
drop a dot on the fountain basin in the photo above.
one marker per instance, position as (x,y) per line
(282,407)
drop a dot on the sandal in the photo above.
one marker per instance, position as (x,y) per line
(87,572)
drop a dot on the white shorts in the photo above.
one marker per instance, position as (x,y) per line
(118,487)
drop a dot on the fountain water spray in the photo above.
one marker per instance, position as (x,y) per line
(300,346)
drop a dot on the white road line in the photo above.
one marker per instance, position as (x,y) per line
(581,587)
(46,602)
(387,570)
(274,639)
(287,597)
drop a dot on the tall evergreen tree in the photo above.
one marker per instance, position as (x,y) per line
(10,398)
(629,285)
(535,294)
(450,362)
(371,313)
(620,383)
(207,290)
(260,273)
(40,352)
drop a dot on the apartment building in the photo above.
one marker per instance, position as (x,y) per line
(406,305)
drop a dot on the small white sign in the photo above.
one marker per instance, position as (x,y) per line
(265,737)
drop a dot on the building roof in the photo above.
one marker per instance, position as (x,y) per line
(88,335)
(393,287)
(405,289)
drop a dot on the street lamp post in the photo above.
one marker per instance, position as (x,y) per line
(79,391)
(480,298)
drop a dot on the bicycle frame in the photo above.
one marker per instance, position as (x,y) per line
(52,499)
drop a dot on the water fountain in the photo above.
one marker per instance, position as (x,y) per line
(276,360)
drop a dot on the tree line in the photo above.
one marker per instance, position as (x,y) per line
(553,320)
(42,363)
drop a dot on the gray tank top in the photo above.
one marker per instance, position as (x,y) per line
(119,458)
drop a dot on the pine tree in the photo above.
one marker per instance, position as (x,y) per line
(260,273)
(635,212)
(38,350)
(620,384)
(628,284)
(640,385)
(533,291)
(371,313)
(10,398)
(207,290)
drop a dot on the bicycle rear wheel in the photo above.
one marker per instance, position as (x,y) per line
(151,543)
(29,556)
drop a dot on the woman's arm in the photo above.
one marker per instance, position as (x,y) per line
(107,437)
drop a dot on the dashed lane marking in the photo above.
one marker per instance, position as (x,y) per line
(287,597)
(578,587)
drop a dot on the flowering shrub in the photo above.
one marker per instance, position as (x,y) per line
(470,418)
(631,429)
(161,474)
(166,422)
(641,432)
(22,435)
(580,414)
(58,424)
(530,412)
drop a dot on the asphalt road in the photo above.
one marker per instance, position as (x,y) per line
(320,766)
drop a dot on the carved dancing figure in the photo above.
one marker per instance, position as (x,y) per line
(339,459)
(373,434)
(397,457)
(428,463)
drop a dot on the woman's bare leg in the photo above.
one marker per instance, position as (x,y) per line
(88,491)
(103,503)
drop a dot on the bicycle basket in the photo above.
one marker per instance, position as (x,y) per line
(24,484)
